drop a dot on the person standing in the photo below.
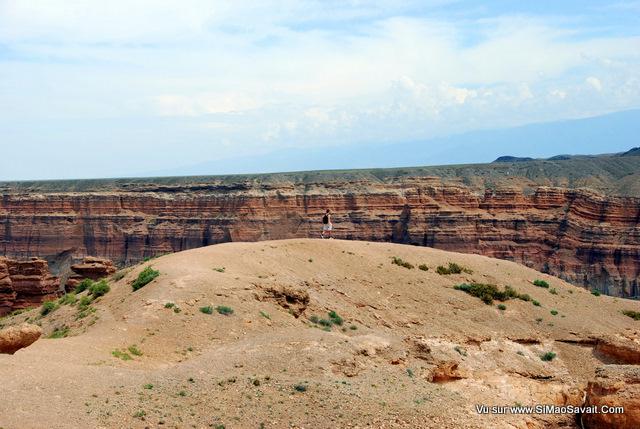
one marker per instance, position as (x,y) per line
(327,226)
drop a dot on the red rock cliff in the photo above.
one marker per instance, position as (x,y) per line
(582,236)
(25,284)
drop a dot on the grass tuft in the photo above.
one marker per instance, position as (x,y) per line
(541,283)
(145,277)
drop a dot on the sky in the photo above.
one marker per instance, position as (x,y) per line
(91,88)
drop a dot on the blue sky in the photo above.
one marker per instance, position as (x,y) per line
(119,88)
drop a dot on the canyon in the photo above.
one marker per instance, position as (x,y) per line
(577,219)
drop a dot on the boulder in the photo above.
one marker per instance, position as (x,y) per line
(15,338)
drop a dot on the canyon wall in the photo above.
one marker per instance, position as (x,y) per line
(25,284)
(585,237)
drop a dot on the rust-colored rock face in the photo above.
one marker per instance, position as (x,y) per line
(614,386)
(585,237)
(90,268)
(25,284)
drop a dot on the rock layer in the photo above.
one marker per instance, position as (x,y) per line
(90,268)
(614,386)
(582,236)
(25,284)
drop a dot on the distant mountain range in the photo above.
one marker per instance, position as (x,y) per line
(508,158)
(610,133)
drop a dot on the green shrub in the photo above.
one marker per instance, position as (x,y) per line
(595,292)
(83,285)
(548,356)
(524,297)
(169,305)
(502,307)
(176,309)
(353,327)
(145,277)
(536,303)
(60,332)
(401,263)
(553,291)
(423,267)
(554,312)
(48,307)
(635,315)
(220,270)
(224,310)
(541,283)
(68,299)
(148,386)
(206,310)
(486,292)
(121,355)
(99,289)
(84,303)
(134,350)
(335,319)
(452,268)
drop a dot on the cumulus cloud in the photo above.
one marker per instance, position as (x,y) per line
(273,74)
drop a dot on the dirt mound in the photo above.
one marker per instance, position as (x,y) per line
(314,333)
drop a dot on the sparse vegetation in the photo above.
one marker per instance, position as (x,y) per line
(121,355)
(134,350)
(353,327)
(119,275)
(423,267)
(265,315)
(595,292)
(224,310)
(488,292)
(48,307)
(536,303)
(59,332)
(176,309)
(397,261)
(83,285)
(635,315)
(139,414)
(548,356)
(410,372)
(452,268)
(145,277)
(68,299)
(169,305)
(206,310)
(335,319)
(220,269)
(541,283)
(502,307)
(148,386)
(554,312)
(553,291)
(300,388)
(99,289)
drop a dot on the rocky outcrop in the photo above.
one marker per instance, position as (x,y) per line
(582,236)
(614,386)
(15,338)
(25,284)
(90,268)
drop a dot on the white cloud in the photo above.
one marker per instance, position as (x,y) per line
(594,83)
(273,74)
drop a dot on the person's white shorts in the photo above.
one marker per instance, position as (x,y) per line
(327,227)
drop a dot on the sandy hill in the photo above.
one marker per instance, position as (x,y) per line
(404,348)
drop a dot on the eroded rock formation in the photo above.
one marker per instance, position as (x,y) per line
(90,268)
(614,386)
(25,284)
(580,235)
